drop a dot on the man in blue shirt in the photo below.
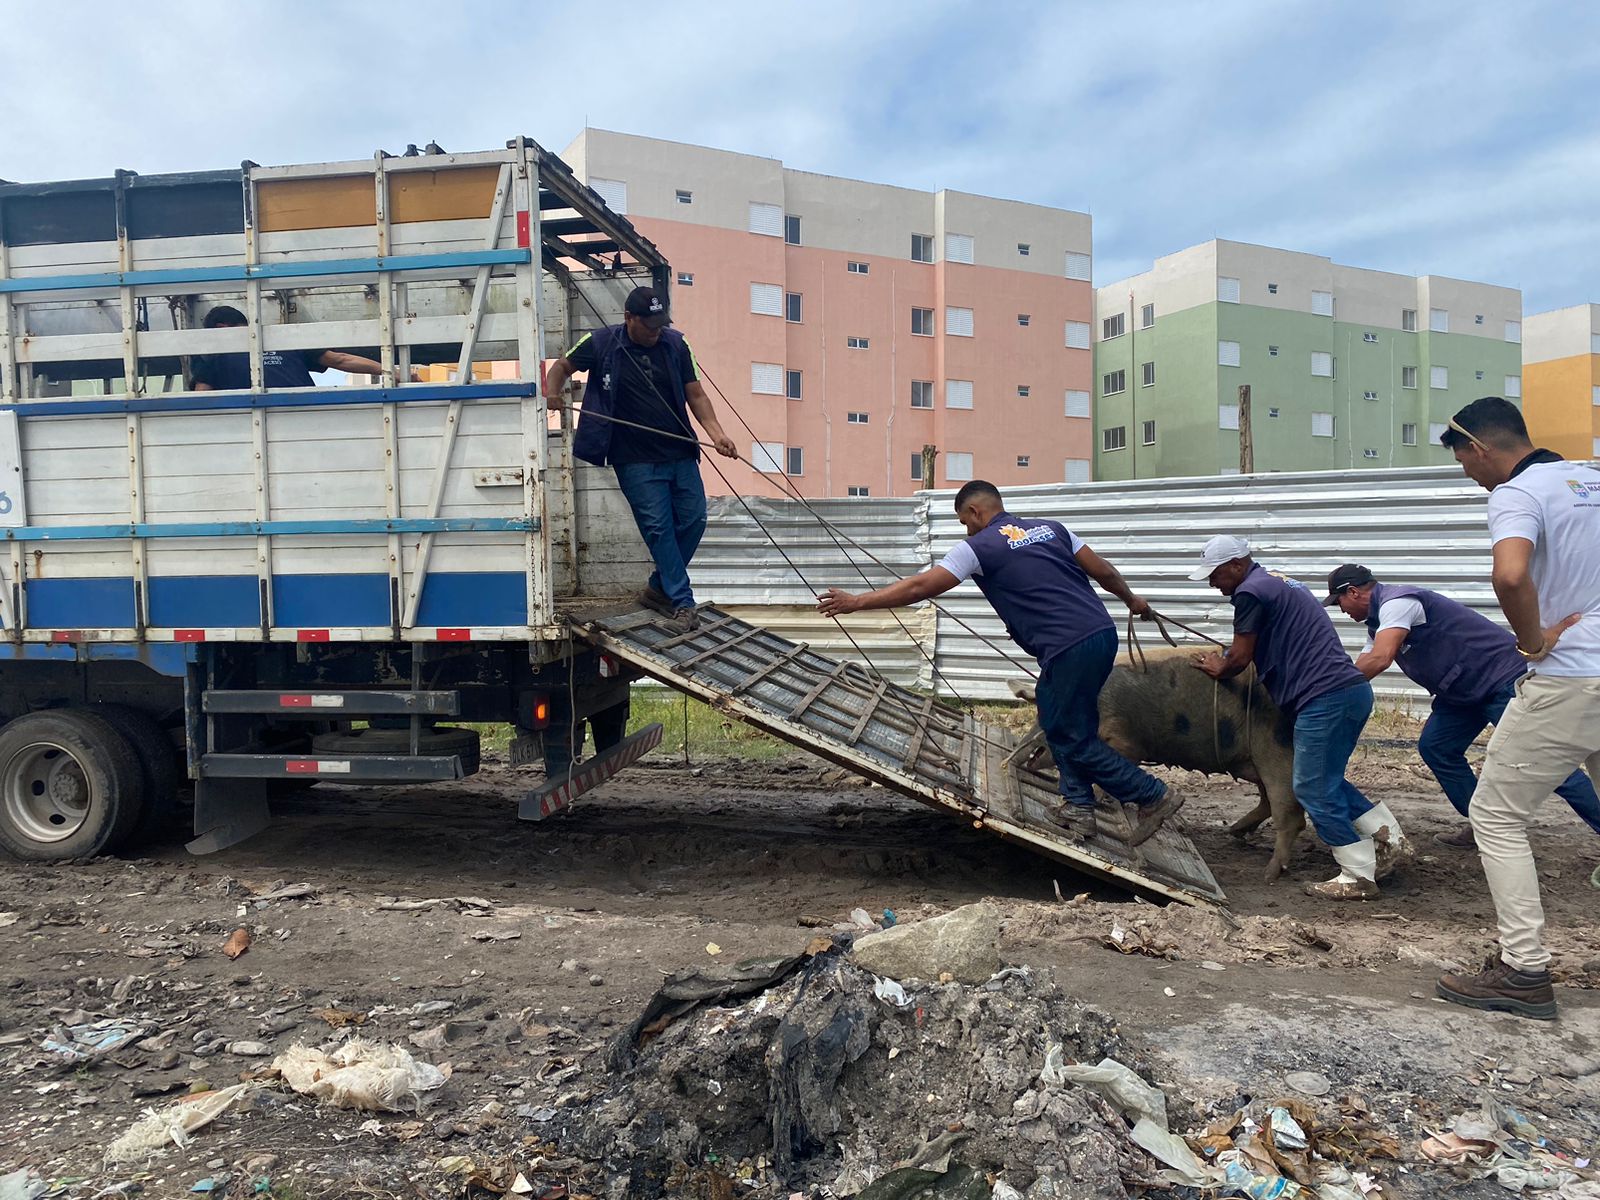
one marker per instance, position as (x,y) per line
(1281,627)
(643,384)
(1036,574)
(279,368)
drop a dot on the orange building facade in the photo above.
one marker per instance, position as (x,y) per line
(1561,380)
(850,324)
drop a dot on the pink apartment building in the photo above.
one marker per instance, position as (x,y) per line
(852,323)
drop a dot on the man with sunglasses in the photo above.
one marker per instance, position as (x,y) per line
(1544,521)
(1468,664)
(643,384)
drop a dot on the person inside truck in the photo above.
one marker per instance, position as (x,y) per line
(642,387)
(279,368)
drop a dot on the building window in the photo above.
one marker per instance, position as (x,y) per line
(858,343)
(766,219)
(1024,319)
(1024,390)
(766,299)
(1408,377)
(1478,375)
(1594,343)
(1272,352)
(1477,318)
(1594,447)
(1147,373)
(1115,438)
(1024,249)
(1439,320)
(1078,404)
(1594,396)
(1408,435)
(1321,364)
(1227,354)
(1227,289)
(1323,424)
(857,418)
(613,191)
(1438,378)
(922,322)
(1227,416)
(1149,433)
(1369,452)
(958,393)
(1272,289)
(685,279)
(1111,327)
(1513,388)
(858,490)
(922,393)
(685,197)
(921,247)
(1370,339)
(1147,317)
(858,268)
(1513,331)
(793,307)
(1077,470)
(1435,432)
(957,466)
(916,467)
(791,229)
(1369,395)
(766,379)
(1116,381)
(1322,304)
(1077,335)
(1077,266)
(1408,320)
(767,457)
(958,321)
(797,461)
(793,384)
(958,247)
(1022,460)
(1274,413)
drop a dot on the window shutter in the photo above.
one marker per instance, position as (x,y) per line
(958,247)
(1227,354)
(614,192)
(1513,387)
(1078,265)
(1077,335)
(1078,404)
(1227,416)
(1513,331)
(1077,470)
(1227,289)
(958,322)
(766,379)
(1439,320)
(766,219)
(1438,377)
(1435,432)
(957,466)
(1322,424)
(766,299)
(958,393)
(1322,304)
(1322,364)
(768,457)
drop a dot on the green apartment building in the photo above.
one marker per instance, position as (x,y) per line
(1346,367)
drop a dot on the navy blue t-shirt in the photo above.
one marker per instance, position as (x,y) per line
(279,369)
(643,397)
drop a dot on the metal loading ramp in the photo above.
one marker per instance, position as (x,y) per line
(965,768)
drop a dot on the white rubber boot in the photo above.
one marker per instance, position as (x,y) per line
(1394,848)
(1357,877)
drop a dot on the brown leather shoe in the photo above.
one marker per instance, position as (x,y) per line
(1461,839)
(1339,888)
(655,601)
(1153,816)
(1500,987)
(1075,818)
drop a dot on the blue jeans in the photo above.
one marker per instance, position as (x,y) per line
(669,506)
(1325,735)
(1068,696)
(1451,729)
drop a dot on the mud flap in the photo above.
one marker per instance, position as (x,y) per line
(226,812)
(555,795)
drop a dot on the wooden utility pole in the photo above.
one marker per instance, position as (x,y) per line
(930,455)
(1247,448)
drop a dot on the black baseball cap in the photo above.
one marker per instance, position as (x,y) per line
(643,302)
(1342,579)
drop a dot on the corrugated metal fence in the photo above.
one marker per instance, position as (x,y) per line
(1422,526)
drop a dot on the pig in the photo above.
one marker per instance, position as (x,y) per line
(1161,710)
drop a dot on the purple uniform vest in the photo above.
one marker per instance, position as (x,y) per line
(1298,652)
(1460,656)
(1036,585)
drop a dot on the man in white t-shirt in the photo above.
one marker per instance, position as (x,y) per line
(1544,520)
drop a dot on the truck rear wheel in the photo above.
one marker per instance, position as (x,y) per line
(158,767)
(70,786)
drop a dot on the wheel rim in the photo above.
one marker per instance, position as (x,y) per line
(47,792)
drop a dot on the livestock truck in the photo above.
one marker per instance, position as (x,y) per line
(269,586)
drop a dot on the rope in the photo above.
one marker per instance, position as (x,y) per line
(1142,664)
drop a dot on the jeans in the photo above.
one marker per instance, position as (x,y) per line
(1325,735)
(1451,729)
(669,506)
(1068,696)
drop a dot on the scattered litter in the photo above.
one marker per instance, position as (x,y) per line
(361,1075)
(713,949)
(1171,1150)
(1241,1177)
(238,942)
(520,1185)
(495,935)
(1208,965)
(174,1123)
(212,1183)
(1128,1093)
(456,1164)
(889,918)
(891,992)
(1309,1083)
(1452,1148)
(8,919)
(291,891)
(249,1049)
(1168,992)
(80,1044)
(1286,1131)
(21,1184)
(861,919)
(338,1018)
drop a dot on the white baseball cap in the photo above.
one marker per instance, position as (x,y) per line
(1223,548)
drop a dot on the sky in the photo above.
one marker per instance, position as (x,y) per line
(1426,137)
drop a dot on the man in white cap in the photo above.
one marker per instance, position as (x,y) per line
(1281,627)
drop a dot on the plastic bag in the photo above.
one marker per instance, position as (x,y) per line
(362,1075)
(1171,1150)
(173,1123)
(1131,1095)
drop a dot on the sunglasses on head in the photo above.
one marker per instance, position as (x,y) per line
(1468,434)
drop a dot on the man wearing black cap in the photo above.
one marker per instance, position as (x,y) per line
(1467,663)
(635,418)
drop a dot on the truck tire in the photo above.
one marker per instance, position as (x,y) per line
(441,739)
(159,768)
(609,726)
(70,786)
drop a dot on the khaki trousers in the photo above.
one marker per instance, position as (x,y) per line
(1550,728)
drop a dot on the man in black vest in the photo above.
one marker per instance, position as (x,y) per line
(1036,574)
(279,368)
(642,386)
(1467,663)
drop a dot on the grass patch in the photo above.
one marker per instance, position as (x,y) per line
(709,733)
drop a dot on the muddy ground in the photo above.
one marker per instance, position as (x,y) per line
(650,875)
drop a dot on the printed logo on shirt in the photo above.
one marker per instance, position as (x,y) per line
(1584,490)
(1017,537)
(1291,582)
